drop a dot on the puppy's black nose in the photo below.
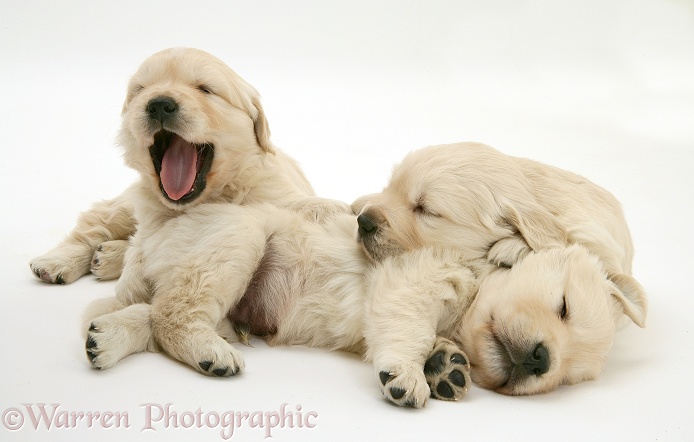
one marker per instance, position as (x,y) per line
(162,108)
(367,226)
(537,361)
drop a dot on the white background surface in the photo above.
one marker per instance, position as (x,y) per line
(604,88)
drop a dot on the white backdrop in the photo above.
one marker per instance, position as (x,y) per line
(604,88)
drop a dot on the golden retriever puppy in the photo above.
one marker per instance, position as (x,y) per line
(528,330)
(197,133)
(268,272)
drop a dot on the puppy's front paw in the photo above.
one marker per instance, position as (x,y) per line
(404,386)
(107,262)
(62,265)
(220,359)
(447,371)
(508,251)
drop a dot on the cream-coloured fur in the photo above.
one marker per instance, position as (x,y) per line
(561,299)
(267,271)
(475,199)
(214,106)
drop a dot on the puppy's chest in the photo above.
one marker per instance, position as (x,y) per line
(159,249)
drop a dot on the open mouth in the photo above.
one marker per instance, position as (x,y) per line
(182,166)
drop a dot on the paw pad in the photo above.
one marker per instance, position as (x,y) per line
(209,368)
(447,371)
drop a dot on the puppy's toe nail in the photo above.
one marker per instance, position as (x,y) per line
(457,358)
(91,343)
(91,355)
(411,403)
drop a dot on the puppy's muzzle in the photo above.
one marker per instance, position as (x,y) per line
(367,226)
(162,109)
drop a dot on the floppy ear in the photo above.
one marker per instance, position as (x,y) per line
(540,229)
(631,296)
(261,127)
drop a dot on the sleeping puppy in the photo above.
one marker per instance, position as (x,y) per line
(551,319)
(197,133)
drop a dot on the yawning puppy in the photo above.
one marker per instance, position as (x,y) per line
(197,133)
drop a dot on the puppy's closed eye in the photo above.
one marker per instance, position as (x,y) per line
(564,310)
(421,208)
(204,89)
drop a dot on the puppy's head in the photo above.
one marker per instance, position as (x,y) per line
(466,196)
(548,321)
(189,125)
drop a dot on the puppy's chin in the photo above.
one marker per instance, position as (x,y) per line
(377,251)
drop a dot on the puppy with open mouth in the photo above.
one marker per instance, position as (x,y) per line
(197,133)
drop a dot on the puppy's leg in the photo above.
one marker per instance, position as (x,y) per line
(107,262)
(105,221)
(196,296)
(132,287)
(447,371)
(508,251)
(412,299)
(114,331)
(184,326)
(115,335)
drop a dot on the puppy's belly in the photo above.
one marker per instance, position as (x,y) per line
(265,300)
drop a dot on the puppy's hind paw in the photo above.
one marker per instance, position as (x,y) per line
(447,371)
(220,359)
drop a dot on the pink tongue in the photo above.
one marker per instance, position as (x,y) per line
(178,168)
